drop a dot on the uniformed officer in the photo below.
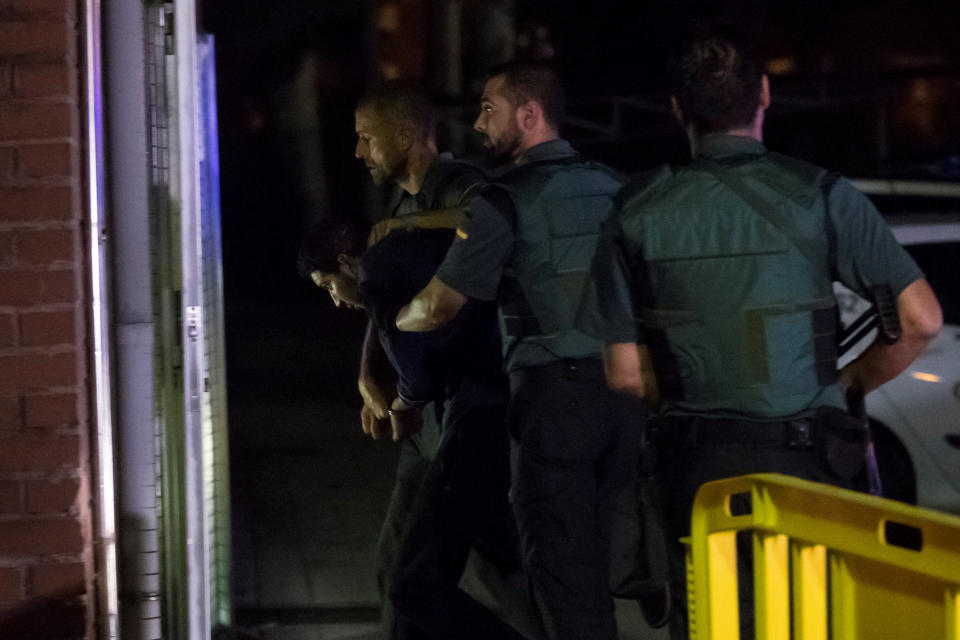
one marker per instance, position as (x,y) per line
(428,529)
(527,243)
(712,286)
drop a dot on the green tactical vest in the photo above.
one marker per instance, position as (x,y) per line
(736,287)
(560,205)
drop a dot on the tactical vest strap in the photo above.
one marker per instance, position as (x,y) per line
(770,212)
(823,319)
(518,316)
(825,348)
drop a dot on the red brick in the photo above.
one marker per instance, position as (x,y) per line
(56,159)
(8,332)
(6,73)
(24,121)
(51,410)
(45,80)
(38,371)
(38,203)
(46,247)
(8,256)
(7,253)
(11,500)
(51,497)
(57,580)
(8,155)
(47,328)
(34,452)
(11,584)
(40,537)
(37,287)
(46,619)
(25,7)
(11,416)
(22,37)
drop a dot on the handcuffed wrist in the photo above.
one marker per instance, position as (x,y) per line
(398,412)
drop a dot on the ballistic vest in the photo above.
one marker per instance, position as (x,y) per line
(559,205)
(735,283)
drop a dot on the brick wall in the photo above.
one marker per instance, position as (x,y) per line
(46,556)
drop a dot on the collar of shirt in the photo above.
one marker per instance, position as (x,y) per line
(550,150)
(430,178)
(719,145)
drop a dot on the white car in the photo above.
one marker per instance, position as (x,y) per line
(916,416)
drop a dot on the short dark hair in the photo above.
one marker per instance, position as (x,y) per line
(401,103)
(715,76)
(527,80)
(326,240)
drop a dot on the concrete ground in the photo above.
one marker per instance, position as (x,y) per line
(308,489)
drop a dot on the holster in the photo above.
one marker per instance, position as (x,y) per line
(842,442)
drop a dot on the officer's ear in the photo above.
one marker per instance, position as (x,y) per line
(404,137)
(529,115)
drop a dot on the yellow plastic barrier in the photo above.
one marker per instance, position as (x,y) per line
(828,563)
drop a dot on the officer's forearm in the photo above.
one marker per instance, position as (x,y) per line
(435,306)
(628,369)
(920,319)
(438,219)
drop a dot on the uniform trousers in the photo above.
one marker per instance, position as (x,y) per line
(574,447)
(692,450)
(461,505)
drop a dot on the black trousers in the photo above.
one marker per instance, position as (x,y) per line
(574,446)
(693,450)
(416,455)
(461,504)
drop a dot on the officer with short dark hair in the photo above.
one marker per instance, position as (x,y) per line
(527,243)
(712,287)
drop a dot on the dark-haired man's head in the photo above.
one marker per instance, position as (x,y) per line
(394,120)
(521,106)
(329,257)
(717,81)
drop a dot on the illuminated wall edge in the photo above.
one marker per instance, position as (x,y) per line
(108,613)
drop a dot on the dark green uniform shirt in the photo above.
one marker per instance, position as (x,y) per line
(864,252)
(487,245)
(448,183)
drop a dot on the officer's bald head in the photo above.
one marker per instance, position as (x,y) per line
(400,105)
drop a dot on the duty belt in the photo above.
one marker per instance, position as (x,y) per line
(566,368)
(694,430)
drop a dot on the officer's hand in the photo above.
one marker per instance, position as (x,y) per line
(383,228)
(405,420)
(376,396)
(372,425)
